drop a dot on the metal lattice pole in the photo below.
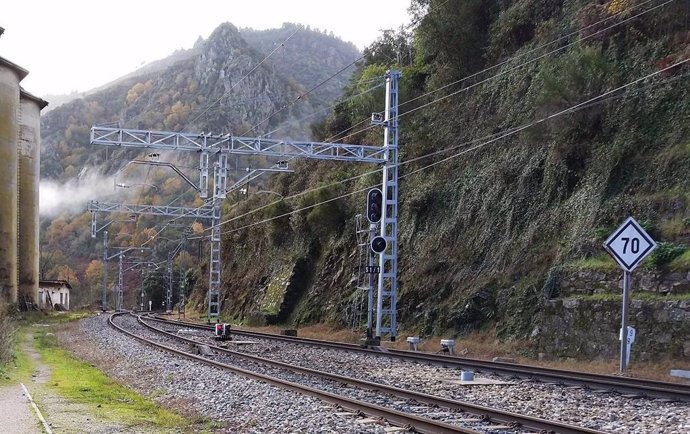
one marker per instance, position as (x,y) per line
(119,285)
(104,305)
(168,294)
(386,312)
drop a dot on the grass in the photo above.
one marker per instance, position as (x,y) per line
(81,383)
(602,262)
(21,368)
(681,263)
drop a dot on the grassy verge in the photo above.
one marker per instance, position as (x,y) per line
(19,369)
(81,383)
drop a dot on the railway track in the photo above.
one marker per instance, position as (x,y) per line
(483,419)
(633,387)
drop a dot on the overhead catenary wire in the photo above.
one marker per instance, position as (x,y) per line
(290,104)
(350,98)
(338,136)
(455,93)
(479,144)
(245,76)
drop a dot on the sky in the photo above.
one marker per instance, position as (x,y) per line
(77,45)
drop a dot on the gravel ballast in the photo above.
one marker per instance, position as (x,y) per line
(244,405)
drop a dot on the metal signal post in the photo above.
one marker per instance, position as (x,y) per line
(386,308)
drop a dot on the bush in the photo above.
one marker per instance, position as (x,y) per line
(7,330)
(665,253)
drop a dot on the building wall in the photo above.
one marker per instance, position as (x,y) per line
(9,134)
(29,166)
(57,296)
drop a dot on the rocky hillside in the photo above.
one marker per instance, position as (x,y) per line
(309,56)
(492,227)
(223,84)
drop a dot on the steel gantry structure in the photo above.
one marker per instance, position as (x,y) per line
(222,145)
(207,211)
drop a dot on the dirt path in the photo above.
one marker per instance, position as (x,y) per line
(62,415)
(16,416)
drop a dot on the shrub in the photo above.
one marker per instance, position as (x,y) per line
(7,330)
(665,253)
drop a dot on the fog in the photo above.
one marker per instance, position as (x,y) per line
(71,197)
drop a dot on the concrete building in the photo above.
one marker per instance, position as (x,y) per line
(19,185)
(53,294)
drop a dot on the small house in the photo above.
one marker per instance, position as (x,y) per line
(53,294)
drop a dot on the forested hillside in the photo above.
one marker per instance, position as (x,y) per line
(529,130)
(223,84)
(514,168)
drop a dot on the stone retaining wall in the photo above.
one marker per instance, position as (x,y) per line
(588,329)
(589,282)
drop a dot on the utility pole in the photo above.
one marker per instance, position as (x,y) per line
(386,307)
(104,305)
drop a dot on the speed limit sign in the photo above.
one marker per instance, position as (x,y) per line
(629,244)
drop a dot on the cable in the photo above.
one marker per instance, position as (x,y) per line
(474,85)
(253,128)
(371,89)
(484,142)
(507,70)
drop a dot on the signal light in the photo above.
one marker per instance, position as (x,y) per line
(374,205)
(378,244)
(222,332)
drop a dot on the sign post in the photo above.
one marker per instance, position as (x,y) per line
(629,245)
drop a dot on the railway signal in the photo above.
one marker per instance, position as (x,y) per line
(378,245)
(374,205)
(222,332)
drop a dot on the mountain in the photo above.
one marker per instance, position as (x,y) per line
(309,56)
(222,84)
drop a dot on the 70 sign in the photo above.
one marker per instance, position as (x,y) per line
(629,244)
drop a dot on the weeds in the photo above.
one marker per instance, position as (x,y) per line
(7,331)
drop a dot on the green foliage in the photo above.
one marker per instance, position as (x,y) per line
(681,263)
(392,48)
(451,37)
(80,382)
(665,253)
(325,212)
(601,262)
(7,331)
(279,225)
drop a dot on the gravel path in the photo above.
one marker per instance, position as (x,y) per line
(62,416)
(16,416)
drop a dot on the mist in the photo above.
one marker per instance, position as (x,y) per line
(72,197)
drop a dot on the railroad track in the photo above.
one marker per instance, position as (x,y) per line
(633,387)
(485,420)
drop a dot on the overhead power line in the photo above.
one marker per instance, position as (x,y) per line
(478,143)
(339,135)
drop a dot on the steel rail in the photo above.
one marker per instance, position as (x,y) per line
(487,413)
(625,385)
(392,417)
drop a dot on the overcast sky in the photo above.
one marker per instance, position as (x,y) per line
(70,45)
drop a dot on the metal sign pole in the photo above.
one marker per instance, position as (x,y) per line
(624,321)
(370,292)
